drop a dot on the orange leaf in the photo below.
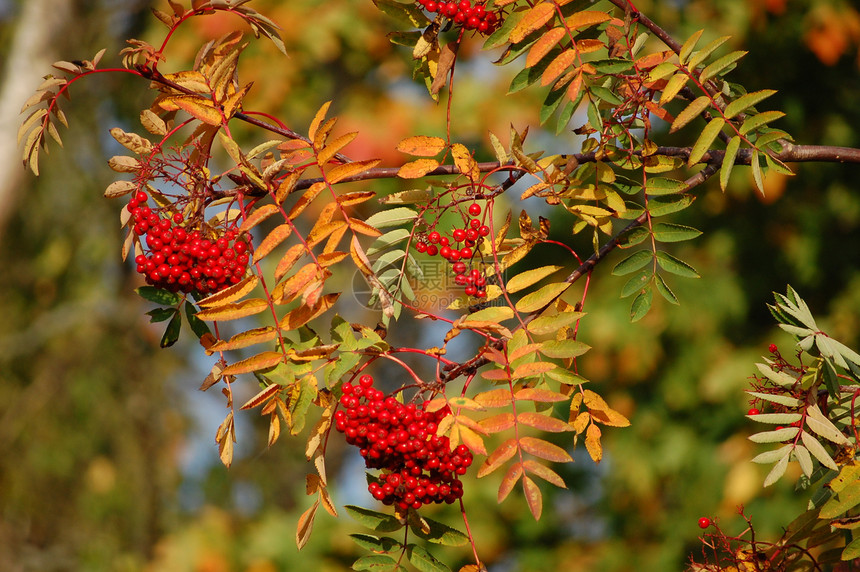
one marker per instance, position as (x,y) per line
(523,350)
(586,47)
(510,479)
(317,121)
(261,397)
(498,423)
(543,46)
(498,457)
(472,440)
(532,369)
(496,375)
(278,235)
(333,148)
(244,339)
(533,497)
(495,397)
(422,146)
(464,161)
(304,314)
(258,216)
(196,106)
(289,259)
(329,258)
(261,361)
(416,169)
(320,231)
(543,422)
(355,198)
(542,395)
(574,87)
(593,400)
(234,311)
(347,170)
(362,227)
(306,524)
(558,66)
(232,293)
(545,450)
(592,443)
(359,257)
(286,291)
(587,18)
(544,472)
(306,199)
(534,19)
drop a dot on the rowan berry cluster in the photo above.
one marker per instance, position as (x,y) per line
(418,466)
(179,259)
(463,13)
(459,249)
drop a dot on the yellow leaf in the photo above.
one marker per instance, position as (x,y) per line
(592,443)
(232,293)
(258,216)
(306,199)
(533,19)
(422,146)
(358,197)
(262,396)
(542,297)
(416,169)
(287,291)
(306,525)
(244,339)
(530,277)
(289,259)
(304,314)
(261,361)
(472,440)
(317,121)
(278,235)
(234,311)
(362,227)
(198,107)
(464,161)
(333,148)
(341,172)
(587,18)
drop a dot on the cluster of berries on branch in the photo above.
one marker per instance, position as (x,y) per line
(459,249)
(465,14)
(177,258)
(418,466)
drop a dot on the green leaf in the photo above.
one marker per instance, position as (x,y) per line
(551,324)
(753,122)
(668,232)
(778,469)
(777,165)
(563,349)
(641,305)
(657,186)
(636,283)
(406,15)
(703,143)
(851,551)
(663,205)
(756,169)
(729,161)
(804,459)
(689,46)
(777,418)
(388,240)
(500,37)
(161,314)
(696,107)
(633,262)
(776,436)
(612,65)
(722,65)
(818,450)
(606,95)
(392,217)
(378,521)
(701,55)
(593,114)
(671,264)
(665,291)
(744,102)
(198,326)
(634,236)
(423,560)
(441,534)
(772,456)
(376,562)
(551,103)
(821,425)
(376,544)
(171,334)
(528,76)
(540,298)
(786,400)
(778,377)
(663,70)
(158,295)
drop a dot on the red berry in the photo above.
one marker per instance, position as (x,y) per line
(432,250)
(465,252)
(704,522)
(421,247)
(433,237)
(474,209)
(484,230)
(753,411)
(178,218)
(772,348)
(141,197)
(431,6)
(459,235)
(365,381)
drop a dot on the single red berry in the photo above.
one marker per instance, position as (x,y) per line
(433,237)
(459,235)
(772,348)
(178,218)
(474,209)
(431,6)
(465,252)
(365,381)
(432,250)
(704,522)
(421,247)
(484,230)
(753,411)
(141,197)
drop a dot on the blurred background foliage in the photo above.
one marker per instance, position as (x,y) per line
(109,461)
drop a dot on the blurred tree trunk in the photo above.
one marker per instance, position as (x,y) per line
(29,57)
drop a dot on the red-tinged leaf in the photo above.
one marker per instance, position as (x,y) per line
(264,395)
(545,450)
(198,107)
(472,440)
(544,45)
(495,397)
(510,480)
(358,197)
(258,216)
(278,235)
(528,349)
(498,457)
(362,227)
(558,66)
(417,169)
(496,375)
(464,161)
(289,259)
(244,339)
(230,294)
(306,525)
(533,19)
(539,394)
(544,472)
(532,369)
(301,316)
(497,423)
(334,147)
(234,310)
(347,170)
(574,88)
(533,497)
(289,289)
(592,443)
(259,362)
(586,18)
(543,422)
(422,146)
